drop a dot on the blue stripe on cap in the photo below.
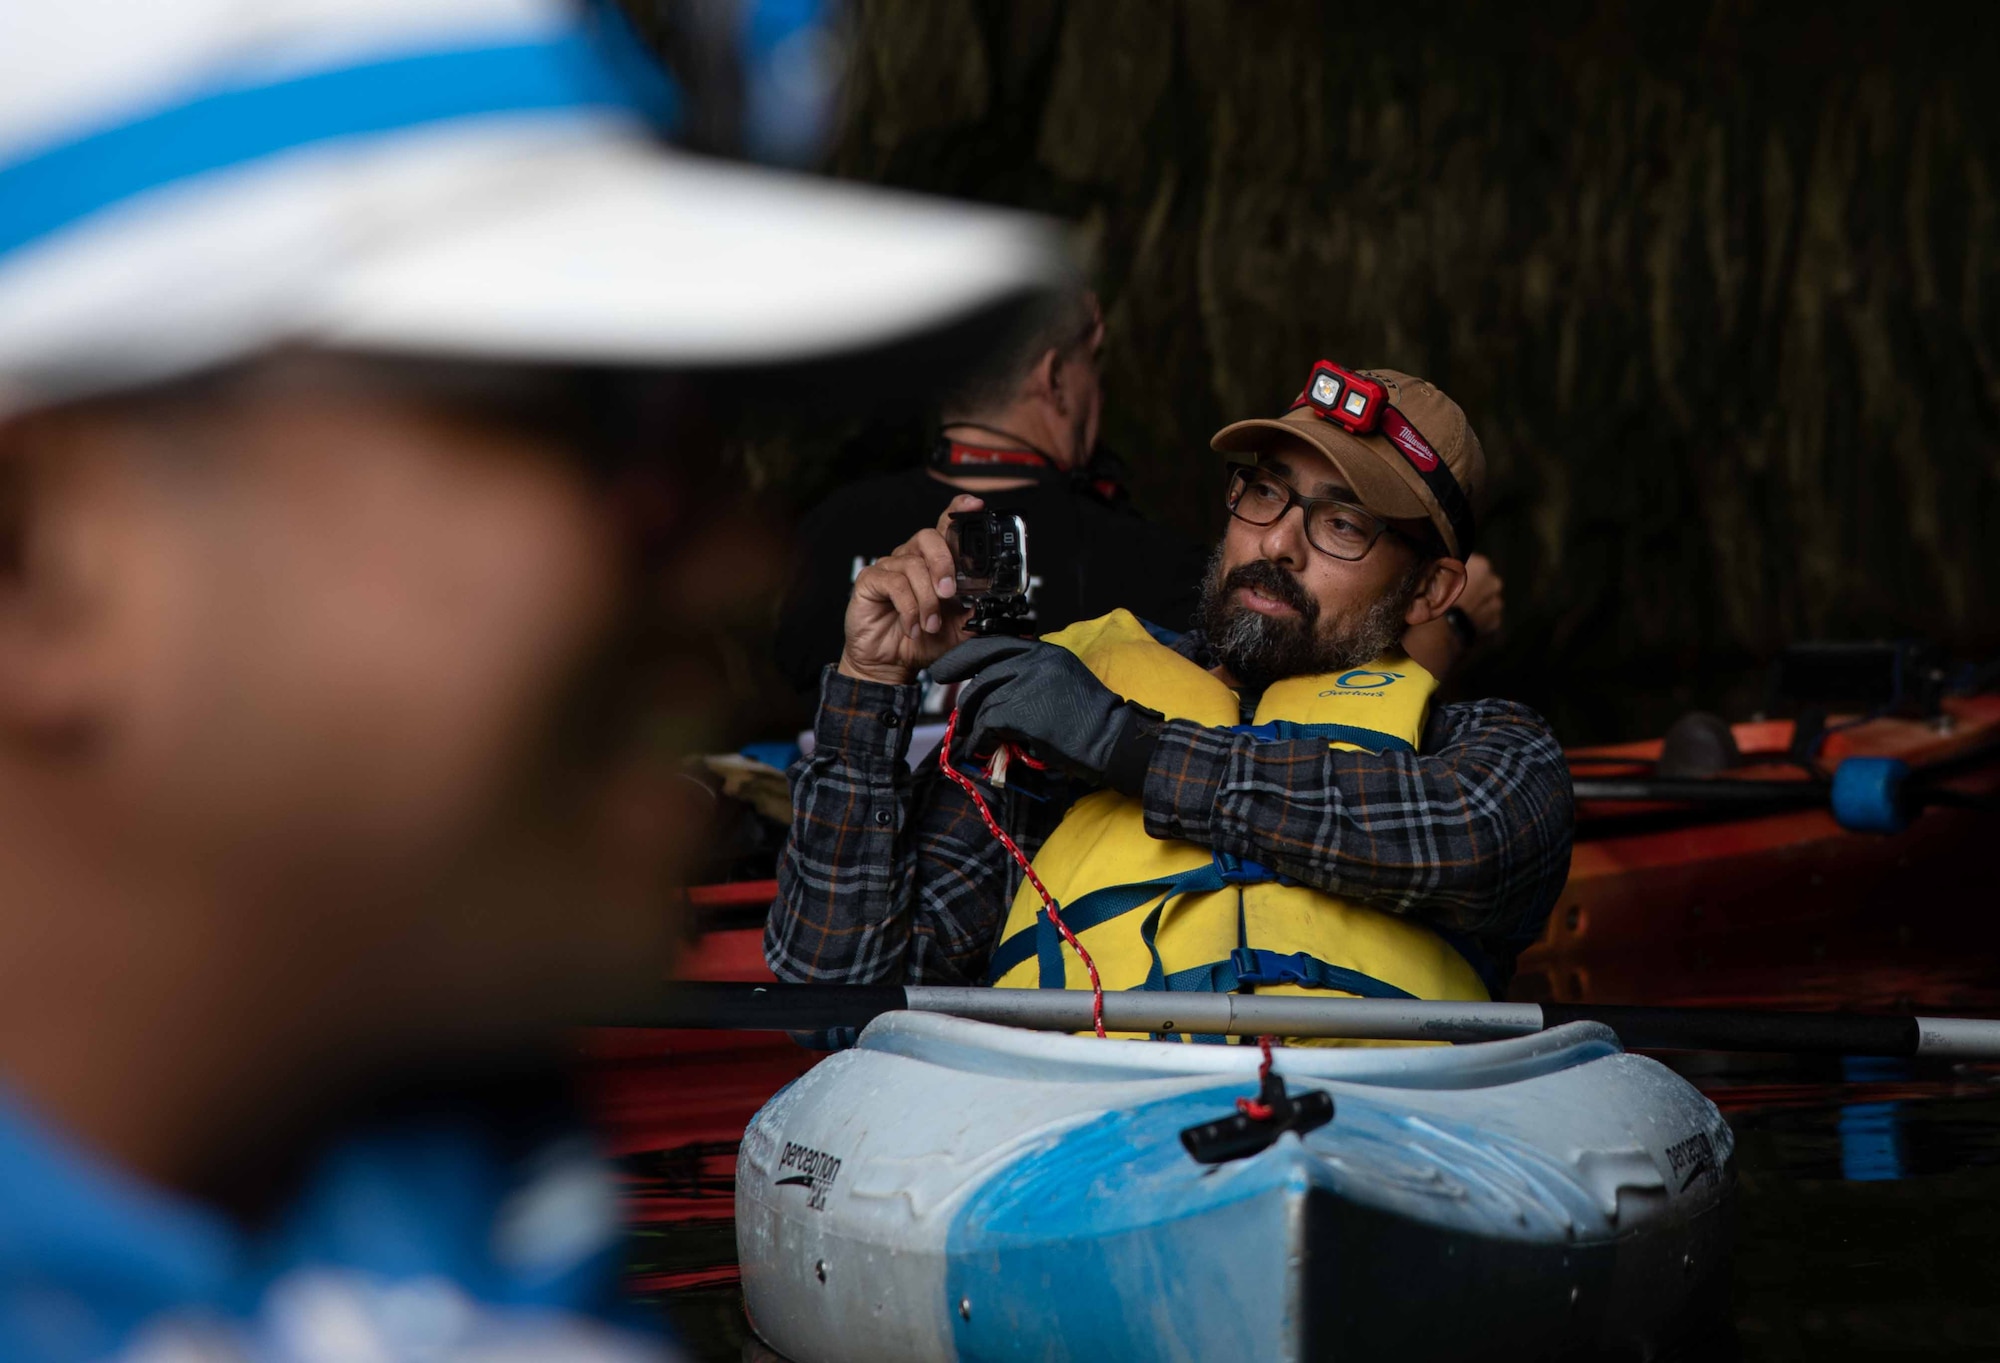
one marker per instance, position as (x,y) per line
(219,128)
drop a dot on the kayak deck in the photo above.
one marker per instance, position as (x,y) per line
(949,1189)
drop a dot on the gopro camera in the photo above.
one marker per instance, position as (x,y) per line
(990,552)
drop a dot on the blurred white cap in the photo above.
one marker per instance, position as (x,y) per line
(185,181)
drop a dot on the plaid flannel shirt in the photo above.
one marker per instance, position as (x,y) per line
(889,876)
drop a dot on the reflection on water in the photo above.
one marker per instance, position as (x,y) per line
(1871,1140)
(1869,1196)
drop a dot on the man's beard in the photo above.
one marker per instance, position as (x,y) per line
(1259,649)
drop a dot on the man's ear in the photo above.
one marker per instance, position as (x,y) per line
(47,657)
(1443,583)
(1046,381)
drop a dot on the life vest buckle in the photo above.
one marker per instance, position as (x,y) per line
(1236,870)
(1255,966)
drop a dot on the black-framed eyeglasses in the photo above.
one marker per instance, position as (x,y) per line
(1334,526)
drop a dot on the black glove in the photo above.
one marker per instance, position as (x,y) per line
(1044,698)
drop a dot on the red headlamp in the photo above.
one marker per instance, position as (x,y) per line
(1361,406)
(1344,397)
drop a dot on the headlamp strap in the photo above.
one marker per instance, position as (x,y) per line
(1360,405)
(1451,498)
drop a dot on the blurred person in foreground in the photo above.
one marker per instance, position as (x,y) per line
(1268,801)
(350,551)
(1020,431)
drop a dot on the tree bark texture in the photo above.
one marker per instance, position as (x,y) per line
(1719,285)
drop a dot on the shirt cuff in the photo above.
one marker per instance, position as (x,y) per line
(1183,780)
(867,723)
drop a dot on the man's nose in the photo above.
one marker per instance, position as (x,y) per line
(1284,540)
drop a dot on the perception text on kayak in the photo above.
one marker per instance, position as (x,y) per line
(1693,1158)
(816,1172)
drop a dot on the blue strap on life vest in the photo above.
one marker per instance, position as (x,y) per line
(1289,731)
(1114,901)
(1249,967)
(1255,965)
(1246,966)
(1223,870)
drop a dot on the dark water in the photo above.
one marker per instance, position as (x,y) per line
(1869,1215)
(1869,1204)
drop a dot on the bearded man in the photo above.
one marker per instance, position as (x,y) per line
(1266,802)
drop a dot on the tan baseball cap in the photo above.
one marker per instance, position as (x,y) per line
(1424,462)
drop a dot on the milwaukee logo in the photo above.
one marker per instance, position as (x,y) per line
(1416,447)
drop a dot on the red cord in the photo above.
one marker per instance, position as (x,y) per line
(964,783)
(1250,1107)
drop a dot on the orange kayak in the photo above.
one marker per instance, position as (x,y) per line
(671,1106)
(1783,909)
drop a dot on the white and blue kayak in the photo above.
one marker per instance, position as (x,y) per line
(950,1189)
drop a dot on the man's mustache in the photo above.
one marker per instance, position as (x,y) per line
(1267,577)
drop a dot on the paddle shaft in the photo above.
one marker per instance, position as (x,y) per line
(1922,787)
(1691,790)
(817,1008)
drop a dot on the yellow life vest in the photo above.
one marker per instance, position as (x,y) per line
(1166,914)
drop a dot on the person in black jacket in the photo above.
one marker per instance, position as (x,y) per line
(1020,432)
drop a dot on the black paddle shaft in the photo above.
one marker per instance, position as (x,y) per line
(765,1007)
(1693,790)
(1715,1029)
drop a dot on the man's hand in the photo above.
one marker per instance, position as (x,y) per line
(900,617)
(1043,697)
